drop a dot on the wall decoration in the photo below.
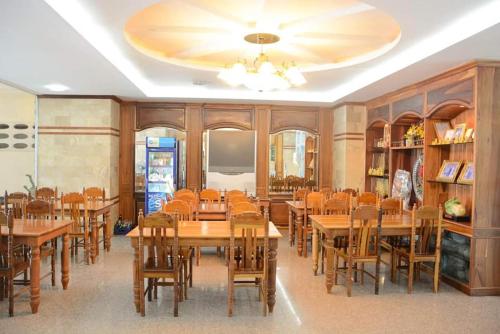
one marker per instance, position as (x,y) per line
(459,134)
(467,174)
(401,186)
(448,171)
(418,178)
(441,128)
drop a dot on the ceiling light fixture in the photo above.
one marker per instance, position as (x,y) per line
(56,87)
(262,75)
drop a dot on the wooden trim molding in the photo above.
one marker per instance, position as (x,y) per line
(90,97)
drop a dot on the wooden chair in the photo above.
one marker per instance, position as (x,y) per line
(326,192)
(184,213)
(183,191)
(209,196)
(17,202)
(12,263)
(299,194)
(46,194)
(189,198)
(391,207)
(250,266)
(43,210)
(367,198)
(161,268)
(72,205)
(313,206)
(420,249)
(243,207)
(351,191)
(363,246)
(92,196)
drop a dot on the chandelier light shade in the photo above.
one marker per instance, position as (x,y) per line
(262,75)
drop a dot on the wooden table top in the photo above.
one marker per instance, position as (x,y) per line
(343,221)
(205,230)
(36,227)
(212,208)
(296,204)
(92,206)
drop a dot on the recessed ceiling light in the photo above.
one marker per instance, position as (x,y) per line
(55,87)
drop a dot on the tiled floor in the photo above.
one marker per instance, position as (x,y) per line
(99,300)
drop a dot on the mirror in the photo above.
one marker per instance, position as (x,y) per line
(140,154)
(293,161)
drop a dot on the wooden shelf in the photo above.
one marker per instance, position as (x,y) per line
(379,176)
(444,182)
(462,228)
(378,149)
(450,144)
(416,147)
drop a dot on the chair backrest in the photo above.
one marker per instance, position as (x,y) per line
(391,206)
(351,192)
(250,226)
(338,204)
(237,199)
(94,194)
(189,198)
(314,203)
(179,207)
(367,198)
(183,191)
(232,193)
(164,245)
(6,244)
(210,196)
(363,234)
(430,224)
(242,207)
(17,202)
(39,209)
(327,193)
(299,194)
(46,194)
(71,207)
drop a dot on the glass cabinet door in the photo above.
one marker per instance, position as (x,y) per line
(161,172)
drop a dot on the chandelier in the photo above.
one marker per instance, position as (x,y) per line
(262,75)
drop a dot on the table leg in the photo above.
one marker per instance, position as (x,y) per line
(271,275)
(94,239)
(135,271)
(65,262)
(315,249)
(86,241)
(291,228)
(329,262)
(35,279)
(107,232)
(300,238)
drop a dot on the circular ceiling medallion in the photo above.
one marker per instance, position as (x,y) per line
(210,34)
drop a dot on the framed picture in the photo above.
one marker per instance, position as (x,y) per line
(441,128)
(469,134)
(467,174)
(459,132)
(449,171)
(449,135)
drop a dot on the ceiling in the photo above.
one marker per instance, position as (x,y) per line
(83,44)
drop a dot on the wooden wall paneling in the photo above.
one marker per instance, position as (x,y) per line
(228,117)
(294,118)
(126,169)
(262,122)
(194,127)
(325,155)
(160,114)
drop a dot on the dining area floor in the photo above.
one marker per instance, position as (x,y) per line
(99,299)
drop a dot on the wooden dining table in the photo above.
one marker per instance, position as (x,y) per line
(296,221)
(332,226)
(94,210)
(34,233)
(208,234)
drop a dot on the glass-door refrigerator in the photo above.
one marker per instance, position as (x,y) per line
(161,171)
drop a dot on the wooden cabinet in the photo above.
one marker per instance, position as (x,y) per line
(470,95)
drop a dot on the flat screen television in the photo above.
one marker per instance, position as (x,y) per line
(231,152)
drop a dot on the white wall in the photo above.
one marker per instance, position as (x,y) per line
(16,107)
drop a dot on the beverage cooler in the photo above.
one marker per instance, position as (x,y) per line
(161,171)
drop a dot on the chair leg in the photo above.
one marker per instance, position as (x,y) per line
(11,296)
(348,279)
(264,296)
(304,249)
(53,262)
(150,288)
(230,292)
(176,295)
(377,275)
(410,276)
(362,273)
(2,288)
(435,284)
(198,256)
(335,268)
(185,279)
(191,255)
